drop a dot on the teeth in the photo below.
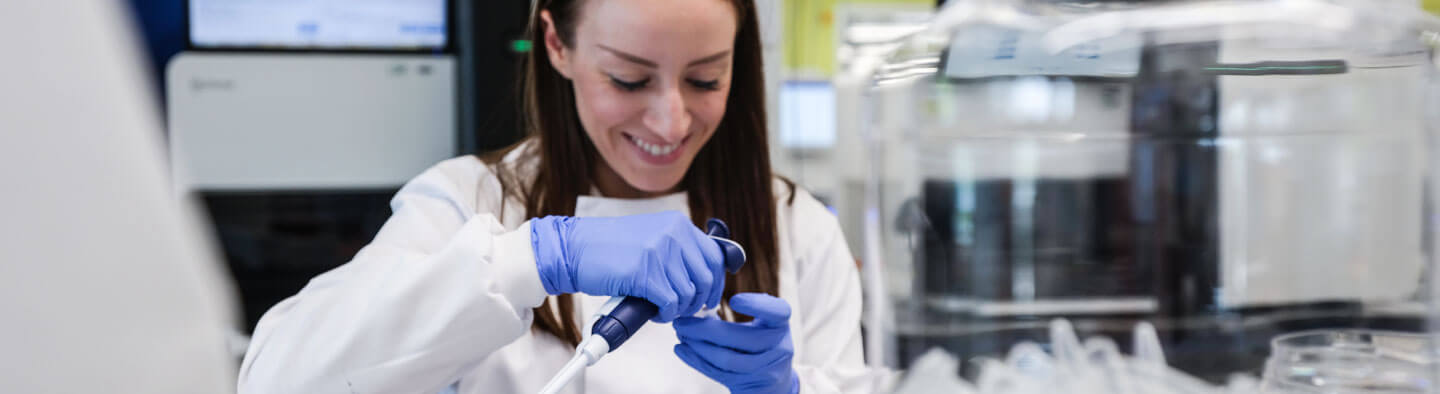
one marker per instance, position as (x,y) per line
(653,149)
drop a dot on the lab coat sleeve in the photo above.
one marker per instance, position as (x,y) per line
(438,290)
(832,360)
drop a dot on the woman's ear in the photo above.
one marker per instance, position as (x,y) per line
(554,47)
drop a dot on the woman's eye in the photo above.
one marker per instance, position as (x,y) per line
(630,86)
(713,84)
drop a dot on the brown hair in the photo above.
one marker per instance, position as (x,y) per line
(730,178)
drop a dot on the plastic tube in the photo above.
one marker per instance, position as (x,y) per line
(586,354)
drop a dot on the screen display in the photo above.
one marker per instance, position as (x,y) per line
(318,24)
(807,115)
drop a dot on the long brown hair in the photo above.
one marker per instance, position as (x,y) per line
(730,178)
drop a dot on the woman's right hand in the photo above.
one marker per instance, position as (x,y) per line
(660,257)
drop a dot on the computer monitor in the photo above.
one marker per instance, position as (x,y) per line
(386,25)
(807,115)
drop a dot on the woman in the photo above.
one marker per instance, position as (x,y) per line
(646,117)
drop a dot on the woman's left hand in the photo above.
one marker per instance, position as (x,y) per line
(749,358)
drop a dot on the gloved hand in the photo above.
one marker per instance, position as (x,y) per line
(749,358)
(660,257)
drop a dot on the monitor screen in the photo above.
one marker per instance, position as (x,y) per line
(807,115)
(319,24)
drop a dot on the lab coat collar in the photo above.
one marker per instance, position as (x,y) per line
(596,206)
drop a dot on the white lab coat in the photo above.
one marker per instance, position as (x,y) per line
(443,296)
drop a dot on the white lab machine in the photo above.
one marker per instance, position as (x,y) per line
(280,95)
(277,121)
(295,122)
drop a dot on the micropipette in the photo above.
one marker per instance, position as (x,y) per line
(622,317)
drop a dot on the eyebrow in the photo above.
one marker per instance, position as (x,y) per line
(647,63)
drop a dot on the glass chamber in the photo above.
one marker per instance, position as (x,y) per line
(1227,172)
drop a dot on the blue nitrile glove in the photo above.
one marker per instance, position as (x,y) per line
(660,257)
(751,357)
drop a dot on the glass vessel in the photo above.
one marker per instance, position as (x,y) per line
(1226,171)
(1349,361)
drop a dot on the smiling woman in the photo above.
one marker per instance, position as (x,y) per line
(650,86)
(645,118)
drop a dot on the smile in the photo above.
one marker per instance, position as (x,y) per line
(652,148)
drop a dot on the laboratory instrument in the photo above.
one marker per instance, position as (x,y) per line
(1228,171)
(296,133)
(621,317)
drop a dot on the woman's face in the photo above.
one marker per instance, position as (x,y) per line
(651,78)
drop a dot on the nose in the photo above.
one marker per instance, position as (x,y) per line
(667,116)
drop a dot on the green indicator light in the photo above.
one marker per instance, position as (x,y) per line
(521,46)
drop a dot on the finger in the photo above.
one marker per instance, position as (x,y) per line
(700,275)
(768,310)
(739,362)
(743,337)
(664,299)
(688,355)
(715,260)
(679,278)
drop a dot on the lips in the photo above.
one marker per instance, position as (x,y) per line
(656,153)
